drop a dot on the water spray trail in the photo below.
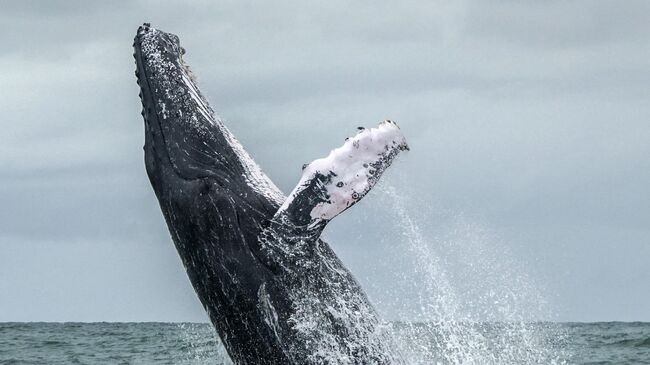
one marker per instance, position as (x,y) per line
(438,301)
(483,323)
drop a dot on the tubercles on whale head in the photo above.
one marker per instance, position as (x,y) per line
(190,137)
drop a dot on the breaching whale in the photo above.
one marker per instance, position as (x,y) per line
(275,292)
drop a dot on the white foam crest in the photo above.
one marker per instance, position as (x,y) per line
(202,345)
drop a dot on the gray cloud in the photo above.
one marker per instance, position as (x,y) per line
(528,119)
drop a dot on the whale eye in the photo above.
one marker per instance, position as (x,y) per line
(355,195)
(339,184)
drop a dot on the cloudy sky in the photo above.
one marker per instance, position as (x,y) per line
(527,183)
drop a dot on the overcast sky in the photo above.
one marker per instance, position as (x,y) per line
(528,179)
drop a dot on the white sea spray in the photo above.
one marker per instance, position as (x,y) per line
(489,318)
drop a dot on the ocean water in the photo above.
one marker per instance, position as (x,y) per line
(197,343)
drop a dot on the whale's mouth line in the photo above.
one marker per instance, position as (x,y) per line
(142,75)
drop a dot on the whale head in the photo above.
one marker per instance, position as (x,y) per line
(182,133)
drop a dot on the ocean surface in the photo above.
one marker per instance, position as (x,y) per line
(196,343)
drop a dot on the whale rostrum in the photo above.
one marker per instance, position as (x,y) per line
(274,291)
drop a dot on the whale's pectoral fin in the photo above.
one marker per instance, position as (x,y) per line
(334,183)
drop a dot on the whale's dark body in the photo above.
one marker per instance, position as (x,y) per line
(274,291)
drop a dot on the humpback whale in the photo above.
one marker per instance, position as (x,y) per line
(275,292)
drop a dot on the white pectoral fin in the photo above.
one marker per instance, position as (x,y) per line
(334,183)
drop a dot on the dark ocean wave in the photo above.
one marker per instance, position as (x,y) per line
(192,343)
(644,342)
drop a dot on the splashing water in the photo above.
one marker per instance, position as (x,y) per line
(201,345)
(475,303)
